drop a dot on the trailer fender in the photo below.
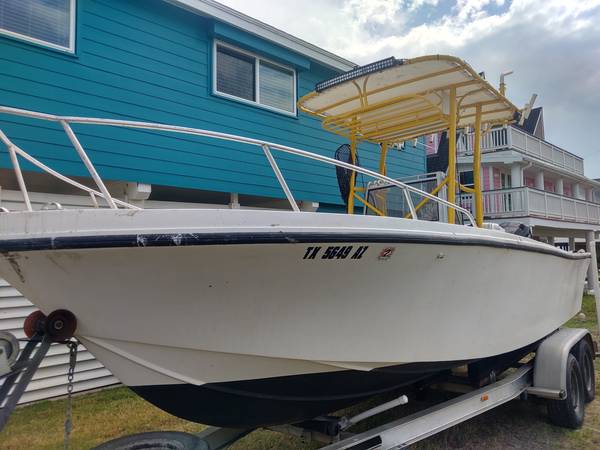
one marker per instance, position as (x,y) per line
(550,365)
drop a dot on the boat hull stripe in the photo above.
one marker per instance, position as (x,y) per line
(191,239)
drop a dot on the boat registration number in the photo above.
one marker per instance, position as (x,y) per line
(335,252)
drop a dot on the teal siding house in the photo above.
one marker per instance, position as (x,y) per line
(193,63)
(183,62)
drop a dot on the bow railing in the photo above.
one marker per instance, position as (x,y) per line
(102,192)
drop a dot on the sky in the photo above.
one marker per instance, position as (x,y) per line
(552,46)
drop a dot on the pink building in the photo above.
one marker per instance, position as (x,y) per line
(526,179)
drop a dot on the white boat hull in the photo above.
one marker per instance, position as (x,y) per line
(229,295)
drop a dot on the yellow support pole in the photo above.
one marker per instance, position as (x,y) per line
(353,176)
(464,188)
(382,156)
(452,156)
(369,205)
(477,168)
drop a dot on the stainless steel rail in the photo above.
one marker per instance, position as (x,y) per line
(102,191)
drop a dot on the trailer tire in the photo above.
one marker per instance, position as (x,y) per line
(585,357)
(569,412)
(155,440)
(10,345)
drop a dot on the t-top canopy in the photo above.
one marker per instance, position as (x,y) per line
(394,100)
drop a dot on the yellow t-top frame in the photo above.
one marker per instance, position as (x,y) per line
(393,101)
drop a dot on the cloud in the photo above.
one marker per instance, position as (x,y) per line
(552,45)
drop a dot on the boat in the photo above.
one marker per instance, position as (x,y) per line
(249,318)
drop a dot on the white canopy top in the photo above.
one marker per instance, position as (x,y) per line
(395,100)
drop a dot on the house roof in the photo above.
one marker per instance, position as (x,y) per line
(237,19)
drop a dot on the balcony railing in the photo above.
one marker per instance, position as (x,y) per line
(525,201)
(515,139)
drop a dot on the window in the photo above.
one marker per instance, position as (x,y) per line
(235,74)
(505,181)
(276,87)
(466,178)
(249,78)
(47,22)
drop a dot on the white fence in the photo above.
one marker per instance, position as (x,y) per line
(525,201)
(515,139)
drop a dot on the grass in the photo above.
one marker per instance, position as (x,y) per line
(107,414)
(590,322)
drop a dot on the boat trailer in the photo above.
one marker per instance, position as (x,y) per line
(17,370)
(562,372)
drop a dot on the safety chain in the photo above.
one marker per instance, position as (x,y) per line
(70,375)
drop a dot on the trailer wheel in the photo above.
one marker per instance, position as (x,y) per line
(9,346)
(585,357)
(569,412)
(155,440)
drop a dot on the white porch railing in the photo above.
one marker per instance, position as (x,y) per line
(525,201)
(515,139)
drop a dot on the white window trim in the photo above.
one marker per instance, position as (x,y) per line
(258,59)
(70,48)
